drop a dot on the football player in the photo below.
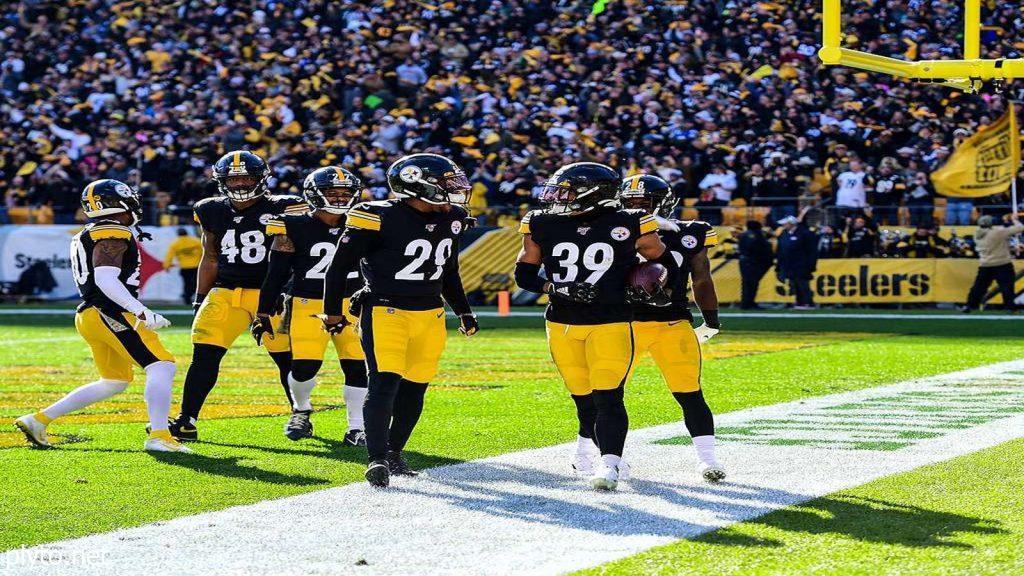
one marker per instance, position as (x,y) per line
(235,250)
(665,331)
(303,247)
(119,329)
(587,245)
(408,251)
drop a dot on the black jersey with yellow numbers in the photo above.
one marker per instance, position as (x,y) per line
(243,245)
(692,237)
(412,250)
(315,242)
(598,248)
(84,271)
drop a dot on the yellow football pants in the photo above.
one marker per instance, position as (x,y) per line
(226,313)
(116,343)
(405,342)
(308,337)
(675,350)
(591,357)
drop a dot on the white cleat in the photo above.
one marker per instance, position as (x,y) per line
(165,445)
(34,431)
(605,478)
(584,464)
(712,472)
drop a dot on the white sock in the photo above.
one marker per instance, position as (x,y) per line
(301,391)
(159,381)
(705,446)
(611,460)
(586,446)
(83,396)
(354,398)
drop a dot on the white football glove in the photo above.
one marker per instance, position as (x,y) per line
(666,224)
(151,320)
(705,333)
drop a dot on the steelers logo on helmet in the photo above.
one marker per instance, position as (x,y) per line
(411,174)
(688,242)
(123,190)
(620,233)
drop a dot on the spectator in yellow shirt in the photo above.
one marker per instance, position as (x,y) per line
(188,251)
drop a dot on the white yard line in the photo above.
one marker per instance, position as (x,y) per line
(539,313)
(523,513)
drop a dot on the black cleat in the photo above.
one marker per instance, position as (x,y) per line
(182,428)
(354,438)
(299,425)
(378,474)
(398,466)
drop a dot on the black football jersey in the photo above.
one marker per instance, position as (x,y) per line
(315,243)
(598,248)
(692,237)
(406,266)
(83,270)
(241,236)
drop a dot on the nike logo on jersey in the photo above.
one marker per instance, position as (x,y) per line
(676,322)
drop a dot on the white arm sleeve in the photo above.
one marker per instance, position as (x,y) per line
(108,282)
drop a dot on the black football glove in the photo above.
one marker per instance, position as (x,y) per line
(333,328)
(468,324)
(575,291)
(356,301)
(260,327)
(637,295)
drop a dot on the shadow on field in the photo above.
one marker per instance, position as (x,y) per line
(229,467)
(865,519)
(331,449)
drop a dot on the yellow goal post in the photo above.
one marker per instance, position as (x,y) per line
(967,75)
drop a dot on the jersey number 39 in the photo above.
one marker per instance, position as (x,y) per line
(597,259)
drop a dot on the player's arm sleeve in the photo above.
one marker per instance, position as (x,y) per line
(108,281)
(352,246)
(648,223)
(279,267)
(452,290)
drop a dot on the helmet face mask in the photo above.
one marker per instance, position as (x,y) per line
(241,176)
(109,197)
(431,178)
(579,188)
(332,189)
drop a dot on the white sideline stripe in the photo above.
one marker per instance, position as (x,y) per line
(540,314)
(521,513)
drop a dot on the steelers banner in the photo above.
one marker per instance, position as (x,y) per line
(985,163)
(870,281)
(21,246)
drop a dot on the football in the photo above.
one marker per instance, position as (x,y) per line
(648,276)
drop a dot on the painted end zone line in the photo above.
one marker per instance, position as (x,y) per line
(523,513)
(540,314)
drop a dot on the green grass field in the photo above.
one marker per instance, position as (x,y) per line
(499,393)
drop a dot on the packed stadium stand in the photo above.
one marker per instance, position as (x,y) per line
(726,100)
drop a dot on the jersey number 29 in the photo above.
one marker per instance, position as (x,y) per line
(421,250)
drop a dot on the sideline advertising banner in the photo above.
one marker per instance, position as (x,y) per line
(22,246)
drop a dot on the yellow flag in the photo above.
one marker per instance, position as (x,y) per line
(983,164)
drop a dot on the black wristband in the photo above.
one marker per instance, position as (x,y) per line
(198,300)
(711,318)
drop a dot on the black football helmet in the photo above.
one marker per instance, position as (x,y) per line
(429,177)
(649,193)
(241,175)
(107,197)
(581,187)
(332,189)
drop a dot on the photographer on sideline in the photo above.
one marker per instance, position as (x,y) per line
(993,245)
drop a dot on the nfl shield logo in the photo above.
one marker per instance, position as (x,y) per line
(582,230)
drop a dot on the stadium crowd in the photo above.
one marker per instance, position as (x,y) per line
(724,99)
